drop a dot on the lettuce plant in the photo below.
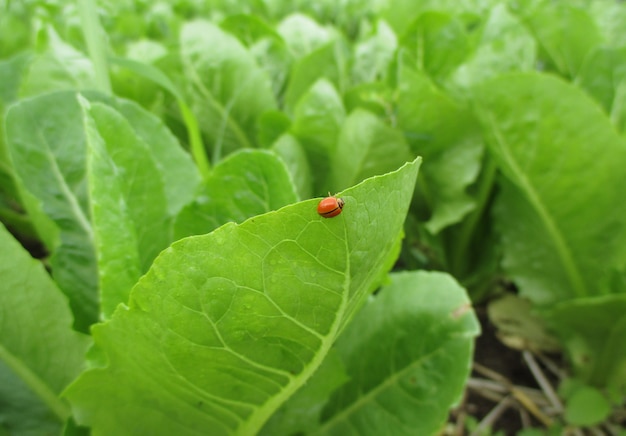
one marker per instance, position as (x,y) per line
(163,267)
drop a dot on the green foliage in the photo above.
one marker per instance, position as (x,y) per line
(165,164)
(39,352)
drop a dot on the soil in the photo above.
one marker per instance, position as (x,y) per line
(490,353)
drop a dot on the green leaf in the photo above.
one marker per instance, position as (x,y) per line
(128,204)
(318,118)
(174,166)
(226,326)
(328,62)
(46,140)
(560,212)
(293,155)
(446,136)
(603,75)
(157,133)
(373,55)
(437,43)
(408,354)
(593,330)
(301,413)
(265,43)
(586,407)
(566,33)
(245,184)
(58,66)
(505,45)
(39,352)
(302,34)
(366,147)
(232,89)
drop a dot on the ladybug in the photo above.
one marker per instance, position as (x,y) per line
(330,206)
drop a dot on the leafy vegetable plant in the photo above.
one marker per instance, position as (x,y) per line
(164,268)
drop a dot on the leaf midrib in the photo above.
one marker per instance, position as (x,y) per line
(565,254)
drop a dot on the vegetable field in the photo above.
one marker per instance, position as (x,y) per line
(267,217)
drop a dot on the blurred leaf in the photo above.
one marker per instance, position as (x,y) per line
(518,325)
(593,330)
(566,32)
(174,165)
(446,135)
(551,141)
(302,34)
(128,204)
(292,154)
(505,45)
(47,144)
(39,352)
(245,184)
(603,75)
(372,55)
(219,333)
(366,147)
(58,66)
(327,62)
(408,354)
(232,89)
(317,122)
(265,44)
(586,407)
(610,18)
(437,43)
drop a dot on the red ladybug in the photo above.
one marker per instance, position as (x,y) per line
(330,207)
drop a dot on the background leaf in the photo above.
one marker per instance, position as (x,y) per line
(39,352)
(567,33)
(505,45)
(47,145)
(366,146)
(318,117)
(218,331)
(245,184)
(445,134)
(397,368)
(231,90)
(593,331)
(129,209)
(408,354)
(564,163)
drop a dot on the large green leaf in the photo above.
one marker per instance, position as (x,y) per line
(561,210)
(177,171)
(226,326)
(231,89)
(46,140)
(407,355)
(40,354)
(245,184)
(446,135)
(128,204)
